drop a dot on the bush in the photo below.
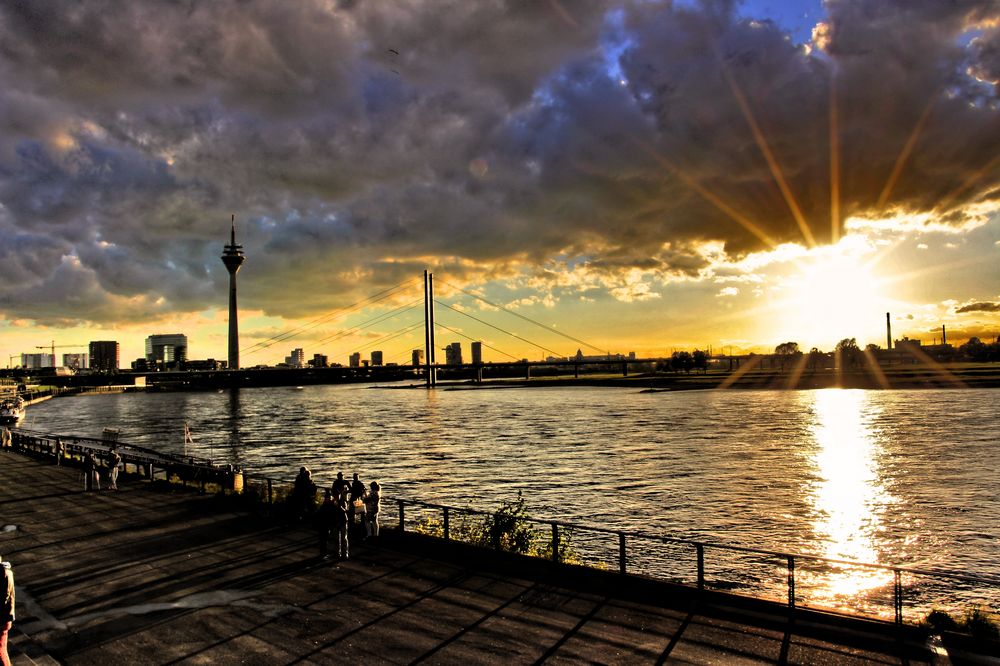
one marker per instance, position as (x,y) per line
(978,622)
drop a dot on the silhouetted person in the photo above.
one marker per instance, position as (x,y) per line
(5,439)
(356,508)
(373,502)
(340,524)
(303,493)
(326,521)
(114,460)
(6,608)
(60,451)
(339,486)
(90,472)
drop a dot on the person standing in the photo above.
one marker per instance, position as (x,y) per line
(340,524)
(356,509)
(339,486)
(5,438)
(373,502)
(90,472)
(325,523)
(6,609)
(114,460)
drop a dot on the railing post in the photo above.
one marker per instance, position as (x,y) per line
(897,597)
(555,542)
(791,582)
(270,492)
(447,529)
(402,516)
(621,553)
(701,565)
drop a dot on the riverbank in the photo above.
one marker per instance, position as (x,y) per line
(152,576)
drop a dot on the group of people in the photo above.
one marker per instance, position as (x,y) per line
(92,469)
(348,507)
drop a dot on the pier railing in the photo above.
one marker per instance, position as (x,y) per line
(796,579)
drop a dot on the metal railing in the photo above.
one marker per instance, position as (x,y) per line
(793,575)
(795,579)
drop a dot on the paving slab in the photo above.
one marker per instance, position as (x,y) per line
(151,576)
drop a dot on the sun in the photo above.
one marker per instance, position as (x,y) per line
(832,294)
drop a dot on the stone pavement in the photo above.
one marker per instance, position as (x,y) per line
(146,576)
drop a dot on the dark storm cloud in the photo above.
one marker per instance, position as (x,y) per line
(359,141)
(979,307)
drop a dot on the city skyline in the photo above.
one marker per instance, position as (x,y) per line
(641,176)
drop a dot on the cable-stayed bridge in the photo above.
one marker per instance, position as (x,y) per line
(417,322)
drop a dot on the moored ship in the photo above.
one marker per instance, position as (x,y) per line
(11,410)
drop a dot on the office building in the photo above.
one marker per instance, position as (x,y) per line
(162,349)
(355,360)
(417,357)
(104,356)
(453,354)
(320,361)
(36,361)
(477,353)
(75,361)
(297,359)
(376,358)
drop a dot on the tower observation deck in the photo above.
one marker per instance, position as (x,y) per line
(233,258)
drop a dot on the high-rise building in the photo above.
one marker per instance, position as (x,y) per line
(232,257)
(36,361)
(167,348)
(320,361)
(297,359)
(75,361)
(376,358)
(453,354)
(104,356)
(355,360)
(417,357)
(477,353)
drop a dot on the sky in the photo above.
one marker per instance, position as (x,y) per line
(637,175)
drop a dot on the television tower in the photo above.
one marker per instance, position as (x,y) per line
(232,257)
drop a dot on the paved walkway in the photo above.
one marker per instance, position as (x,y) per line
(142,576)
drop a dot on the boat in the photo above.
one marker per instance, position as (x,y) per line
(11,410)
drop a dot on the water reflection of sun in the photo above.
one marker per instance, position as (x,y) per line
(848,497)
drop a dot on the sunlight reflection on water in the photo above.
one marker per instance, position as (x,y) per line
(849,497)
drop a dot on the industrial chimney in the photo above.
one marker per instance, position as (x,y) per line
(888,332)
(944,338)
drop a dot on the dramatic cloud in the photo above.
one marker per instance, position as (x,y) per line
(979,307)
(359,142)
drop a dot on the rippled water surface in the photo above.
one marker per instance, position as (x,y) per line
(898,477)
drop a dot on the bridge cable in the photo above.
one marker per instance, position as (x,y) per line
(513,335)
(527,319)
(389,336)
(285,335)
(468,337)
(385,316)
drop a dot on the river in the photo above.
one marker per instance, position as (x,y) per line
(893,477)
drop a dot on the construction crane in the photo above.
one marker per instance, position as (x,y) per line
(53,346)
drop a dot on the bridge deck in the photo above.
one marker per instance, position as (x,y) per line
(154,577)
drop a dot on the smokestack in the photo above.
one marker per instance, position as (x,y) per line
(944,338)
(888,332)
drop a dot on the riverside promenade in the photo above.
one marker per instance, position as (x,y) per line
(152,576)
